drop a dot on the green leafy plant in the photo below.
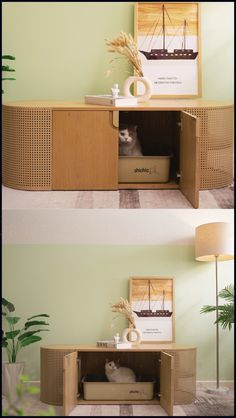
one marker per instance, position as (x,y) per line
(226,311)
(7,68)
(15,408)
(15,339)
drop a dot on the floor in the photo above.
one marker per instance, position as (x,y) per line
(124,199)
(205,405)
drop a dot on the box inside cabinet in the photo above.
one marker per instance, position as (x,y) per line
(97,388)
(159,135)
(146,368)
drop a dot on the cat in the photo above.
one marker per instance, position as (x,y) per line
(115,373)
(129,144)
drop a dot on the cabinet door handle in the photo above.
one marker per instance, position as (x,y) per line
(115,118)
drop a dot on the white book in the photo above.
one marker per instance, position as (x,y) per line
(123,345)
(112,344)
(107,99)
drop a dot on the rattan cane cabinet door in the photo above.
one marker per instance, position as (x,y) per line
(184,376)
(70,382)
(190,158)
(167,382)
(85,150)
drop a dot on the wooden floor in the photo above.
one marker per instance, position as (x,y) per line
(204,405)
(123,199)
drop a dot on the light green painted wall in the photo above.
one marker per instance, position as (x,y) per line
(60,48)
(76,285)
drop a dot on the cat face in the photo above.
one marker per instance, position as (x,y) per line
(127,135)
(111,366)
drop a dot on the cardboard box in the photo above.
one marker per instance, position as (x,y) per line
(144,169)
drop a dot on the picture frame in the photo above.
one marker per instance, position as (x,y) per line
(169,40)
(152,302)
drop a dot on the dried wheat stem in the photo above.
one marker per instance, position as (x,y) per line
(123,307)
(125,45)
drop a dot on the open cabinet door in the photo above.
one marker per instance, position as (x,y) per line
(189,158)
(70,382)
(167,383)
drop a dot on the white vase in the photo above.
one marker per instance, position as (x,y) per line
(145,81)
(10,377)
(129,332)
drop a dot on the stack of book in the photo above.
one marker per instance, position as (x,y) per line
(108,99)
(113,344)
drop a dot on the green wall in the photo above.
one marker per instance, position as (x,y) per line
(61,54)
(76,284)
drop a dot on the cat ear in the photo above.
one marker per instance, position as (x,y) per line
(107,360)
(118,363)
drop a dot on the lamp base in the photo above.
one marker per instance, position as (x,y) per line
(218,391)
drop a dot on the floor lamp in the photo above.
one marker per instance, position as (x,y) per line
(214,242)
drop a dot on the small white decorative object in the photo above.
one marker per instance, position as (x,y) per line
(128,331)
(117,338)
(147,84)
(115,91)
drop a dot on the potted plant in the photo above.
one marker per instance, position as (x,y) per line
(226,311)
(14,339)
(6,68)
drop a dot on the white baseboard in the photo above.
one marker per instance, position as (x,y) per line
(211,383)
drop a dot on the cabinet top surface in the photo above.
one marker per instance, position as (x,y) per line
(140,347)
(152,104)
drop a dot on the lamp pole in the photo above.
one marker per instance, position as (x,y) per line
(214,242)
(217,327)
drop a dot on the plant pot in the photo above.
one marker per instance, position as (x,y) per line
(145,81)
(10,377)
(130,332)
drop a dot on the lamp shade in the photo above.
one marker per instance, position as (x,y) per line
(214,239)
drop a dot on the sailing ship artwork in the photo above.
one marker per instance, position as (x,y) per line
(152,305)
(167,36)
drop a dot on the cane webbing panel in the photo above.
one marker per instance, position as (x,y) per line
(27,148)
(184,376)
(216,146)
(51,375)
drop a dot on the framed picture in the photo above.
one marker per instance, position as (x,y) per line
(168,39)
(152,302)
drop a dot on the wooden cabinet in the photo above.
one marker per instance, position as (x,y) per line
(74,146)
(171,365)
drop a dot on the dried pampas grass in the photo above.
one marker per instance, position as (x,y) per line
(123,307)
(126,46)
